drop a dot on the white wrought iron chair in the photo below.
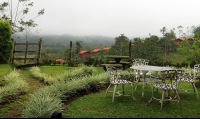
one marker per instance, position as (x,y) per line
(116,79)
(138,74)
(190,78)
(167,85)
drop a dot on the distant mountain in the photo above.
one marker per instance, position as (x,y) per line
(64,40)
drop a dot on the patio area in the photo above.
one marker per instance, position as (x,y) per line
(96,105)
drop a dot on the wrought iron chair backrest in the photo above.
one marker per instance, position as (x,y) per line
(138,62)
(172,76)
(196,70)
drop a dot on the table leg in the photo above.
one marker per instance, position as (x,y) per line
(117,60)
(123,89)
(104,68)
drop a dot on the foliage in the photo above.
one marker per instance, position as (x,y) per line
(147,49)
(196,31)
(47,61)
(163,30)
(15,85)
(41,106)
(89,62)
(120,47)
(191,52)
(6,43)
(48,50)
(16,17)
(48,100)
(72,63)
(66,76)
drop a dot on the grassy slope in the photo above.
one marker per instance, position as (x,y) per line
(4,69)
(14,108)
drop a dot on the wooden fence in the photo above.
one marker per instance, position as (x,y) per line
(26,51)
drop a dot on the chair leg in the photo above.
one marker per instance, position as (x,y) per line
(114,92)
(152,94)
(107,90)
(136,84)
(123,89)
(178,99)
(195,89)
(163,95)
(132,91)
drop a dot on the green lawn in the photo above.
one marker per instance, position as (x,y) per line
(56,70)
(96,105)
(4,69)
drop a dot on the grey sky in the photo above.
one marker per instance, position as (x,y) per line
(134,18)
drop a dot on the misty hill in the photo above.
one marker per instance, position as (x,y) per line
(64,40)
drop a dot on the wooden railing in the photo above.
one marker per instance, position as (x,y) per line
(26,51)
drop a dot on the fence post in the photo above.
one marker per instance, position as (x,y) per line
(12,49)
(70,50)
(130,49)
(39,50)
(26,53)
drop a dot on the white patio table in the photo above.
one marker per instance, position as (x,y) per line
(146,68)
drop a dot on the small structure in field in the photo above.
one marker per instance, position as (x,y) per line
(85,54)
(61,60)
(96,51)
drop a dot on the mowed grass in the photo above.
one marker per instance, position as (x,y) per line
(174,58)
(96,105)
(4,69)
(56,70)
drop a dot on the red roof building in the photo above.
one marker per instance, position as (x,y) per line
(61,60)
(95,51)
(85,54)
(106,48)
(178,40)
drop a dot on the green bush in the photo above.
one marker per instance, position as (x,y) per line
(14,85)
(47,61)
(184,64)
(72,63)
(49,99)
(6,43)
(192,64)
(96,62)
(100,62)
(89,62)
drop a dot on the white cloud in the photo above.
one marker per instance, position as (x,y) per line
(134,18)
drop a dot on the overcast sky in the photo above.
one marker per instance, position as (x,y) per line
(133,18)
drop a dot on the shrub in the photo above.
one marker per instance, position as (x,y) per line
(6,43)
(14,85)
(66,76)
(89,62)
(100,62)
(192,64)
(49,99)
(72,63)
(184,64)
(95,63)
(47,61)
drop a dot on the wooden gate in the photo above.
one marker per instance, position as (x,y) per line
(26,51)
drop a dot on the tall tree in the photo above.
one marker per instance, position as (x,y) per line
(190,52)
(146,49)
(163,31)
(16,15)
(78,46)
(197,30)
(180,30)
(5,41)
